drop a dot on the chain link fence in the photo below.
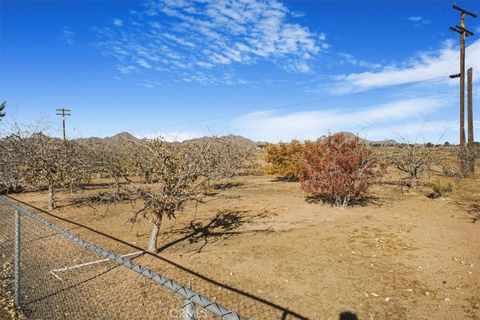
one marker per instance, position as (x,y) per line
(50,271)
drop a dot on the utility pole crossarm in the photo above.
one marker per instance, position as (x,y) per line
(467,32)
(463,11)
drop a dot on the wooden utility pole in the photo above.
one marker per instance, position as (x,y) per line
(470,107)
(463,34)
(64,112)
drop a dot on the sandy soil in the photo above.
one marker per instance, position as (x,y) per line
(397,256)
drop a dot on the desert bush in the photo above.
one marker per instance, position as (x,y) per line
(284,159)
(441,187)
(338,168)
(457,162)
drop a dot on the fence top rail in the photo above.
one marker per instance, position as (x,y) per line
(174,286)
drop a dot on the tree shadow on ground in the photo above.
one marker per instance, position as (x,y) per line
(285,179)
(227,185)
(225,224)
(362,201)
(96,199)
(347,316)
(472,210)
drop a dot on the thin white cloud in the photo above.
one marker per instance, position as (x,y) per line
(354,61)
(211,37)
(144,63)
(297,14)
(415,18)
(418,21)
(270,126)
(118,22)
(425,66)
(125,69)
(67,35)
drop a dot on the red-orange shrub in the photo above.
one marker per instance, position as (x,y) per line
(337,168)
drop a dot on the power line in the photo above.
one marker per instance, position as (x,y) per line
(284,107)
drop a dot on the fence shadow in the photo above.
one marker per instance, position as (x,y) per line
(286,313)
(223,225)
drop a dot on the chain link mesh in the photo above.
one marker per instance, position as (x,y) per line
(64,276)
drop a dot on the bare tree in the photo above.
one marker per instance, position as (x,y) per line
(181,170)
(10,179)
(412,159)
(43,161)
(112,160)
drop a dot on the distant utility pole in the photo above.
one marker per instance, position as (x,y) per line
(64,112)
(463,33)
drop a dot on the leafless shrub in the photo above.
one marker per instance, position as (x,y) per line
(412,159)
(441,187)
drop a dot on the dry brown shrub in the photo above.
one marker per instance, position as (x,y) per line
(284,159)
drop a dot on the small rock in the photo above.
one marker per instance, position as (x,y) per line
(387,299)
(374,294)
(446,299)
(427,293)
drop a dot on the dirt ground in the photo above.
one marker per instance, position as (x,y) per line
(399,255)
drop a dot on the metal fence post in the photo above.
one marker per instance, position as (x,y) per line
(189,310)
(17,259)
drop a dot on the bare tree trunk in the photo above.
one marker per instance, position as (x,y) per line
(51,197)
(117,183)
(413,181)
(152,242)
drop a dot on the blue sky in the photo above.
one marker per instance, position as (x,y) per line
(268,70)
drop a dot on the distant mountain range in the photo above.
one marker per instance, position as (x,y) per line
(237,139)
(372,142)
